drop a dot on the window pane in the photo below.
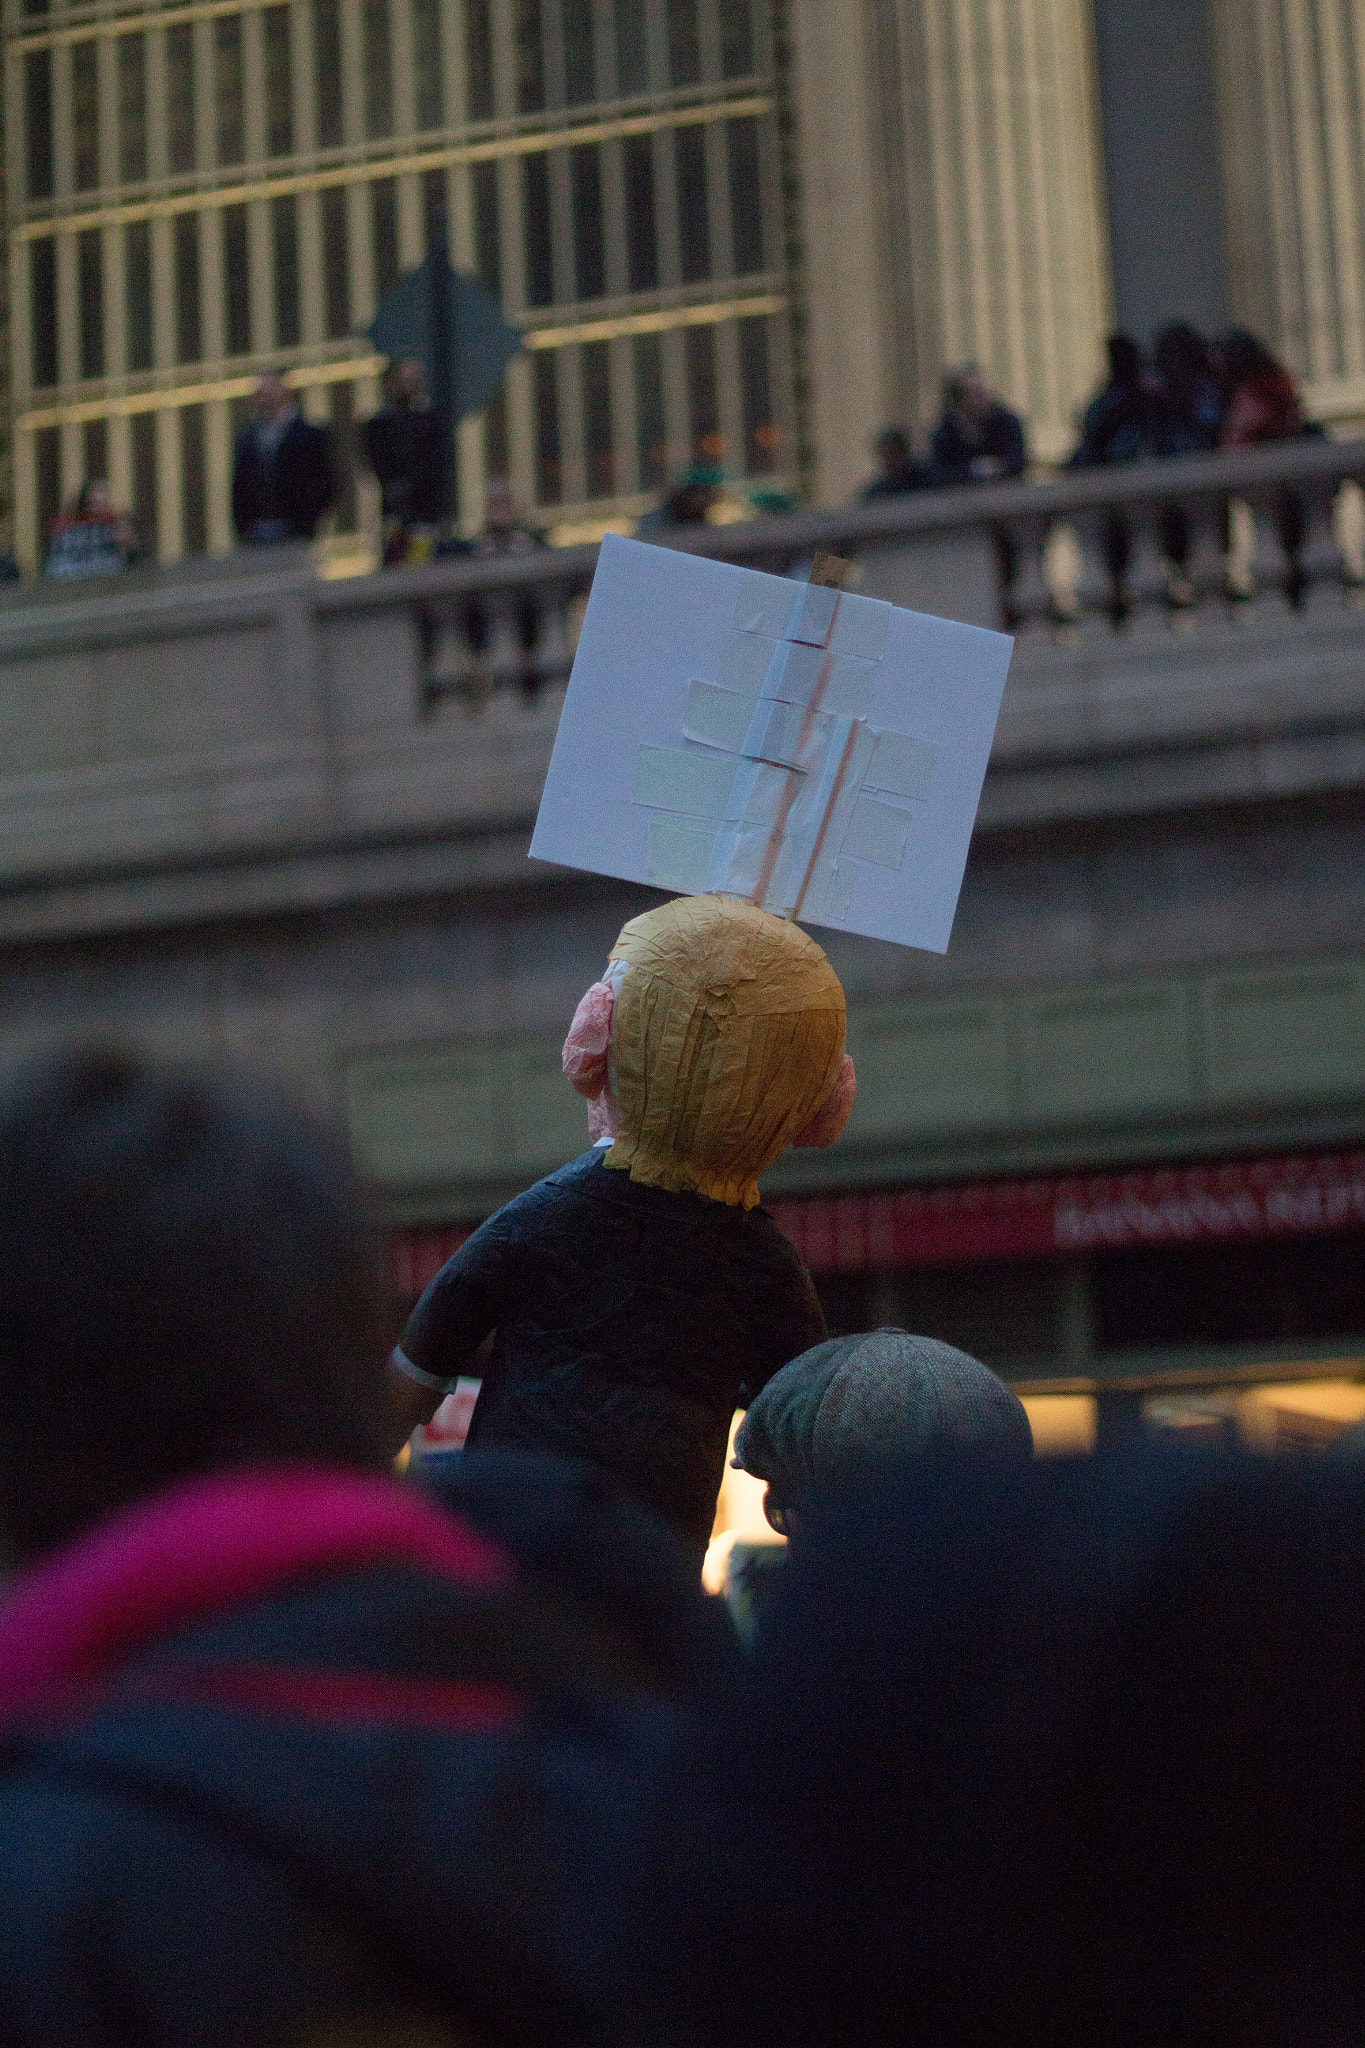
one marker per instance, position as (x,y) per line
(95,449)
(429,82)
(284,240)
(694,233)
(545,387)
(589,260)
(227,87)
(146,510)
(642,248)
(684,42)
(535,188)
(736,38)
(374,17)
(188,346)
(279,82)
(327,71)
(478,57)
(90,295)
(194,529)
(651,421)
(746,196)
(236,282)
(384,224)
(336,264)
(487,250)
(632,47)
(597,433)
(530,57)
(137,293)
(702,403)
(580,71)
(47,454)
(132,108)
(42,285)
(180,97)
(85,118)
(38,122)
(755,380)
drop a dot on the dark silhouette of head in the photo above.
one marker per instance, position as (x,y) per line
(894,449)
(1180,353)
(188,1281)
(1242,355)
(688,503)
(1125,359)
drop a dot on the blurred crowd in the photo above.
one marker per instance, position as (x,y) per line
(300,1751)
(1187,395)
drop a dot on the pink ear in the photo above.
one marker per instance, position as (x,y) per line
(589,1041)
(828,1122)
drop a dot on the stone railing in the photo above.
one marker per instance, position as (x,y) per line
(249,714)
(1089,550)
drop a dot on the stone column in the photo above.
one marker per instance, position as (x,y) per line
(1291,87)
(852,389)
(962,217)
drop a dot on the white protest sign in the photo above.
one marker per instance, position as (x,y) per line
(815,752)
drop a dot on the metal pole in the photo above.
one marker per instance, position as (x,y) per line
(443,346)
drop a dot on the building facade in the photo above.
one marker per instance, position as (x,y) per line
(742,233)
(198,192)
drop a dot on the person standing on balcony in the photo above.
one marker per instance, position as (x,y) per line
(1187,417)
(519,613)
(406,444)
(1263,404)
(1189,404)
(898,468)
(978,439)
(1262,397)
(1120,422)
(92,538)
(283,478)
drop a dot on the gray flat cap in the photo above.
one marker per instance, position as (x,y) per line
(868,1403)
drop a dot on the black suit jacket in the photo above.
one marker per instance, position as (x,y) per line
(295,486)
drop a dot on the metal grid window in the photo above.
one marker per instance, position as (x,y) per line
(200,198)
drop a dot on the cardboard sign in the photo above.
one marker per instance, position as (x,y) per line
(817,753)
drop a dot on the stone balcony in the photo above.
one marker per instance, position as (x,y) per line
(1158,948)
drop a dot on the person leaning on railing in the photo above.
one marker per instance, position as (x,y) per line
(92,538)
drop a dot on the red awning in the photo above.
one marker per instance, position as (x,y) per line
(1019,1219)
(1022,1219)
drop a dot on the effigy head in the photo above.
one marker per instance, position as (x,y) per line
(714,1042)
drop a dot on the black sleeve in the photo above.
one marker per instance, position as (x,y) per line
(789,1319)
(462,1304)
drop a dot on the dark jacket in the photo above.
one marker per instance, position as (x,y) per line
(582,1540)
(1122,423)
(270,1776)
(625,1320)
(954,448)
(408,452)
(288,491)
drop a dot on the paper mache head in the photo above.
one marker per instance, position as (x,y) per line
(715,1041)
